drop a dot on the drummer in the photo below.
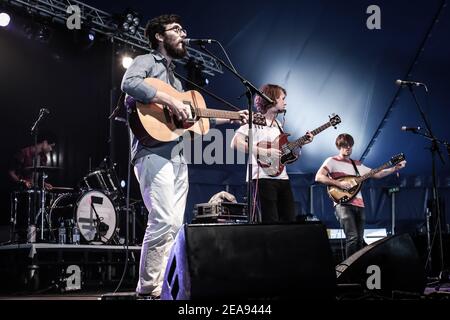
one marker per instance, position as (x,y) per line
(20,172)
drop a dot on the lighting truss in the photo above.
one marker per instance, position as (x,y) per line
(103,23)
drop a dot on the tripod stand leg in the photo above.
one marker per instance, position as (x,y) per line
(428,264)
(13,218)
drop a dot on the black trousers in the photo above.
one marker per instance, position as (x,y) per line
(276,200)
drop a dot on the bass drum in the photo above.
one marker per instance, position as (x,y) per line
(92,211)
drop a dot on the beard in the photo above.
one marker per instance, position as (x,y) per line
(172,49)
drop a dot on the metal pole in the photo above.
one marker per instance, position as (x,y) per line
(429,261)
(44,176)
(393,213)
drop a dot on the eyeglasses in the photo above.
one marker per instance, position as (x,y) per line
(177,29)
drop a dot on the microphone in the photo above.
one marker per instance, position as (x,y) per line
(413,129)
(189,42)
(44,110)
(408,83)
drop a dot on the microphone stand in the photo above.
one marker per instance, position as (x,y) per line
(34,133)
(434,148)
(251,90)
(126,120)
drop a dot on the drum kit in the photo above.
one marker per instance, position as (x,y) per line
(37,215)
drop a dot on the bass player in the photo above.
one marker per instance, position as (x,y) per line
(274,192)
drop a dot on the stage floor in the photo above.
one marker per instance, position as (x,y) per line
(50,268)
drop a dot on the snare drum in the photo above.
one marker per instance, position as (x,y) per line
(103,179)
(93,212)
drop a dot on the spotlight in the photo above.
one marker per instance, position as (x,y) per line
(4,19)
(126,61)
(129,22)
(91,35)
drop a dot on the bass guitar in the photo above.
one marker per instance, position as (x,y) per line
(273,166)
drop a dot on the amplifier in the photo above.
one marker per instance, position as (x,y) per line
(220,212)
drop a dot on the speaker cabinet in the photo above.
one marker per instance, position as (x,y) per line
(250,261)
(399,266)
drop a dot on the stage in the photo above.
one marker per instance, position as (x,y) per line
(48,268)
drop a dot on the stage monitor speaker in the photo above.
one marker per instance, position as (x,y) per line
(250,261)
(399,265)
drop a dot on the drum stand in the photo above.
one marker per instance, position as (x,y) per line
(13,218)
(42,212)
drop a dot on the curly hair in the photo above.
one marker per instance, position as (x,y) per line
(273,91)
(158,25)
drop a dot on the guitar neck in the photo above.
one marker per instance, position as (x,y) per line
(301,141)
(212,113)
(372,173)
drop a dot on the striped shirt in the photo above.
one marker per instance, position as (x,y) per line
(337,167)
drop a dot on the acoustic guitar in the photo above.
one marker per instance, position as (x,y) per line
(154,123)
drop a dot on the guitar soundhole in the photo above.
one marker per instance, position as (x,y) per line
(171,119)
(177,123)
(167,114)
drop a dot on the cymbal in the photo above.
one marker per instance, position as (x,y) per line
(42,168)
(62,189)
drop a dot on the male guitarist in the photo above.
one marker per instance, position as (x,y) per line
(275,194)
(350,214)
(160,169)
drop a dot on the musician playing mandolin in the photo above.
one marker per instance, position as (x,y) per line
(350,214)
(274,191)
(160,168)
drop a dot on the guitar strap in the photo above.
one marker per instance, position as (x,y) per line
(356,169)
(171,75)
(278,125)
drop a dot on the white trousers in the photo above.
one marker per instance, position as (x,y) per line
(164,187)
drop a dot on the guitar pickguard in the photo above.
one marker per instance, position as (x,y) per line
(288,158)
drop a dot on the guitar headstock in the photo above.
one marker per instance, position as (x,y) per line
(334,120)
(397,159)
(259,119)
